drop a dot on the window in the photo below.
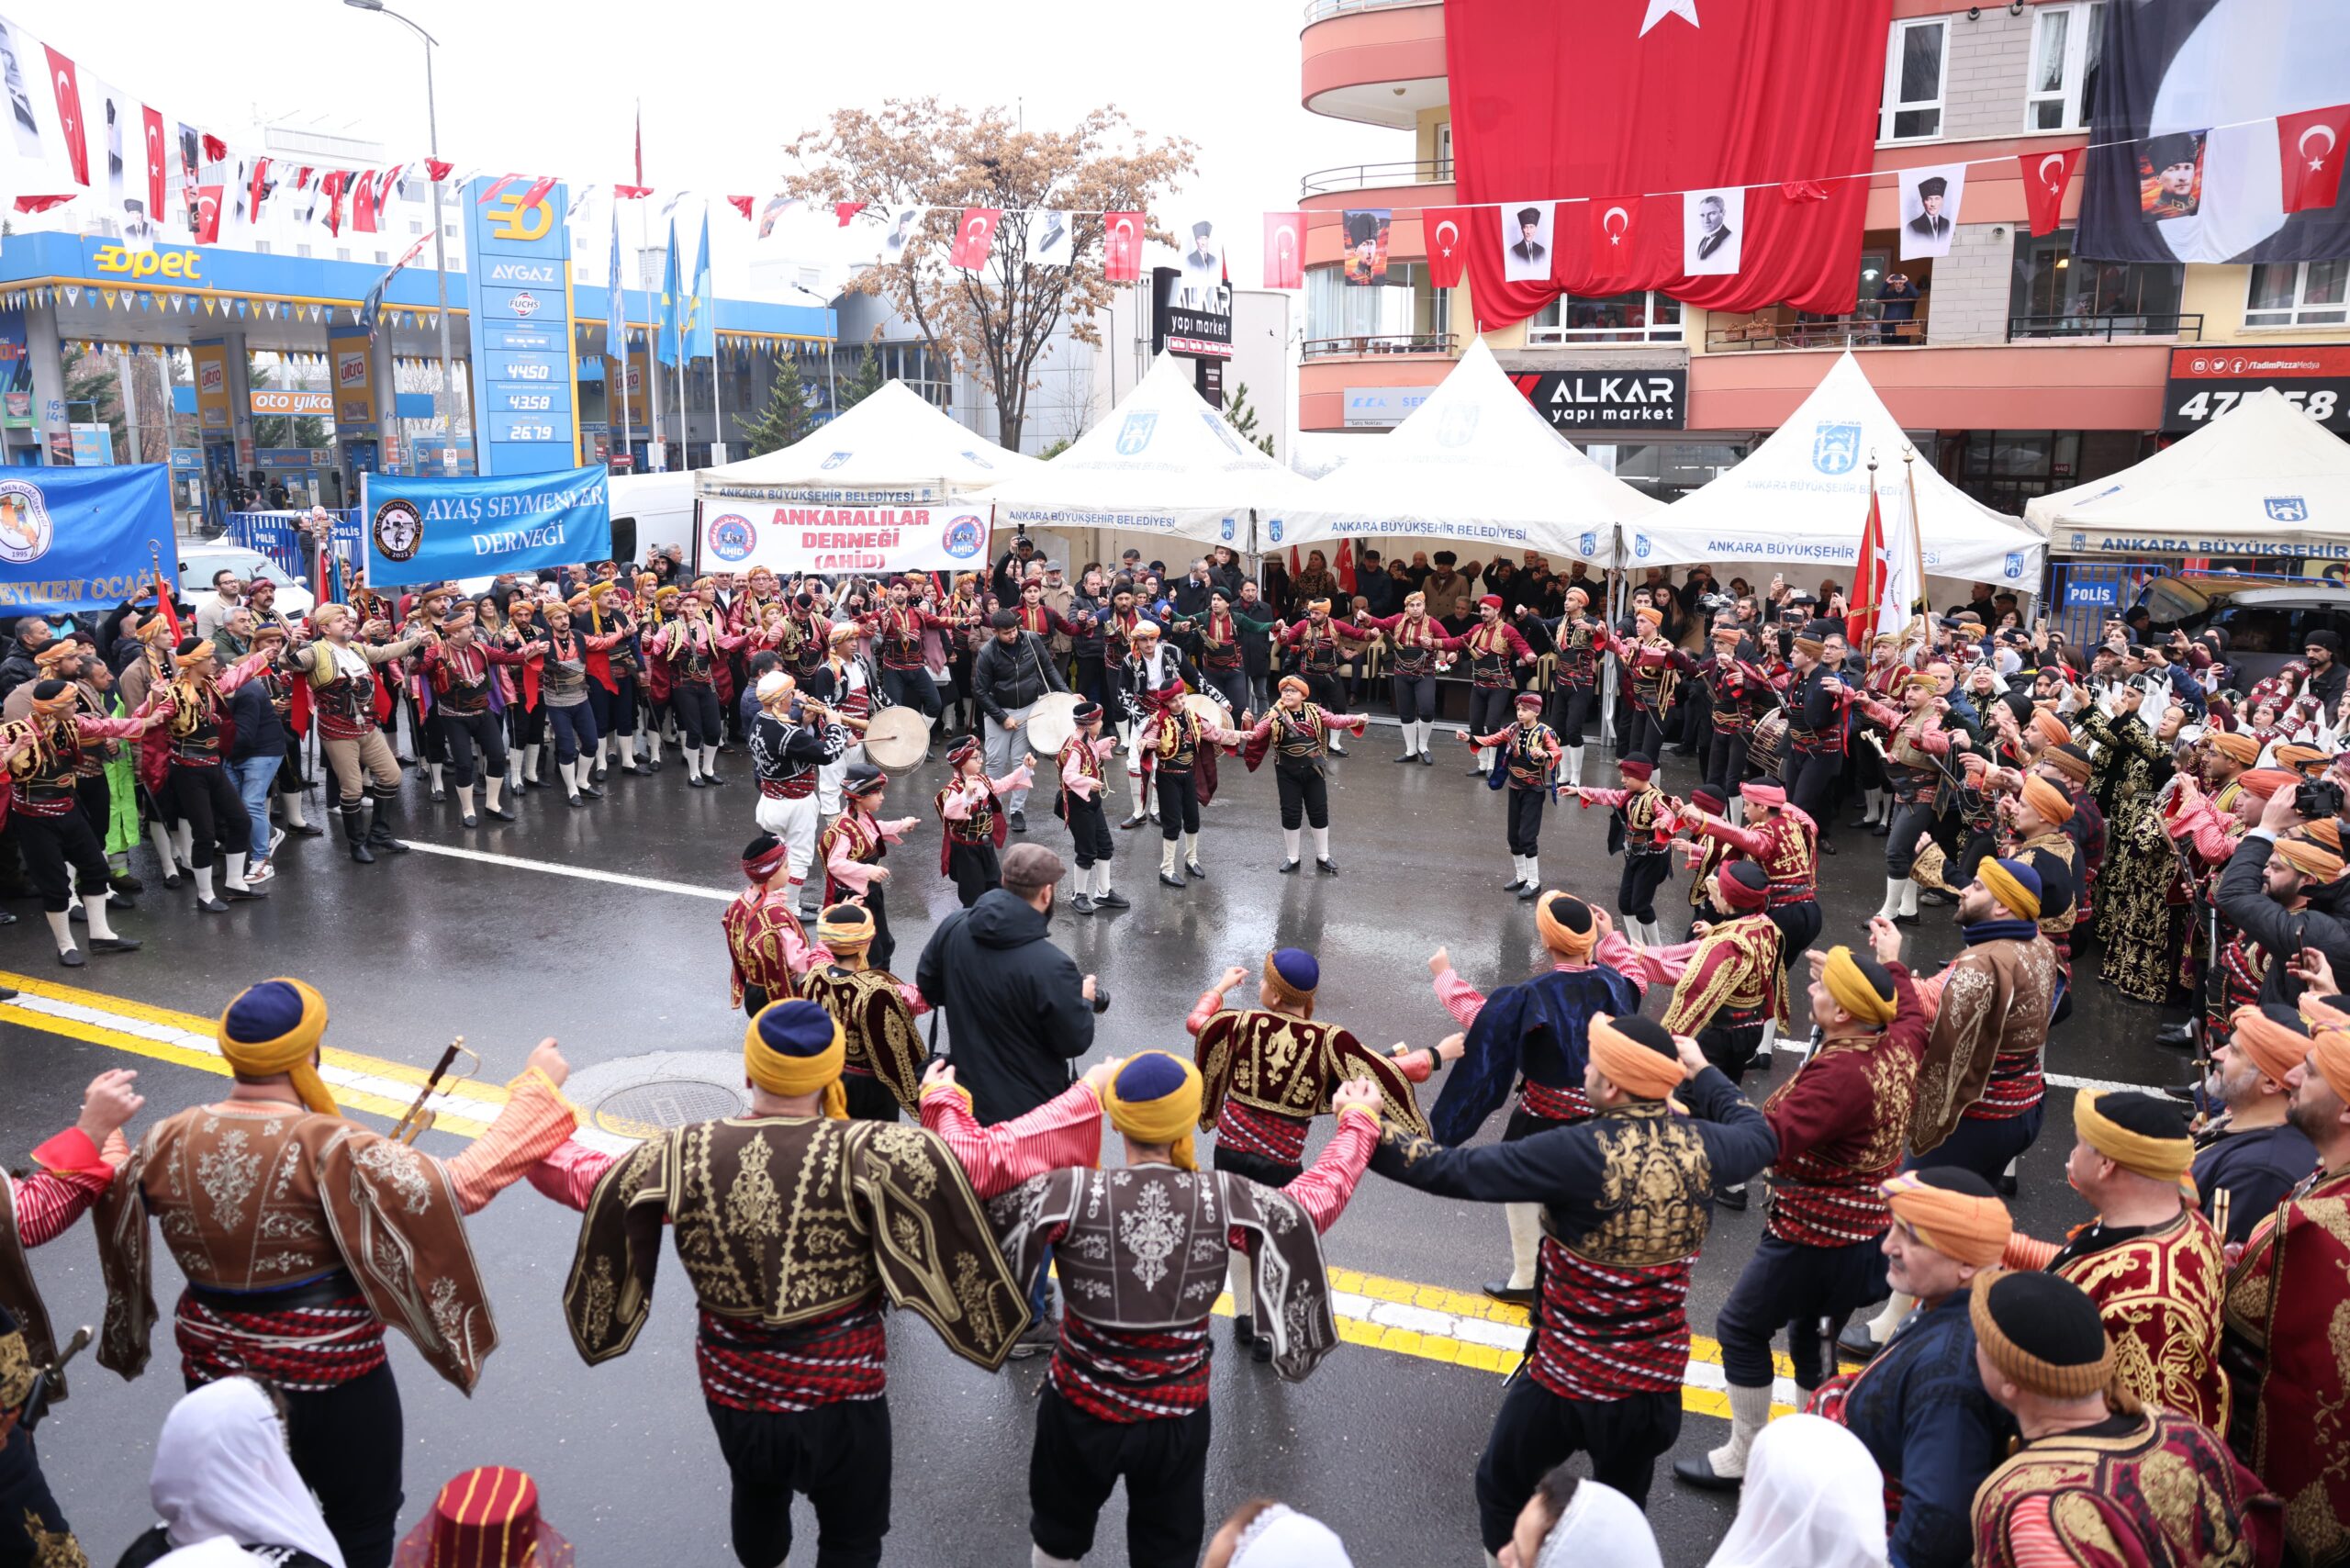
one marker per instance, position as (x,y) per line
(416,225)
(2053,293)
(301,249)
(2066,41)
(1634,317)
(1914,67)
(2305,294)
(382,257)
(448,232)
(1444,150)
(343,253)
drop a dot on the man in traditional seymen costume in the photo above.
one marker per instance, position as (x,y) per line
(1267,1072)
(876,1010)
(303,1235)
(794,1224)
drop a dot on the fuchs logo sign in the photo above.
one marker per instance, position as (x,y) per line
(1606,399)
(1836,448)
(26,532)
(526,304)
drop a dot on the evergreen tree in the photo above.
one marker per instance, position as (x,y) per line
(862,383)
(1244,417)
(787,417)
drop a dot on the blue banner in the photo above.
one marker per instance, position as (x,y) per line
(82,539)
(430,530)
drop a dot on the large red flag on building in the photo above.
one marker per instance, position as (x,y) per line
(2311,143)
(1445,231)
(1122,238)
(68,114)
(2046,176)
(1726,98)
(158,165)
(1284,250)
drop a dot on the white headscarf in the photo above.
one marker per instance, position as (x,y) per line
(218,1552)
(1282,1538)
(1600,1528)
(221,1470)
(1813,1499)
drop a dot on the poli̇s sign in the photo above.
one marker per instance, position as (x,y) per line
(82,539)
(427,531)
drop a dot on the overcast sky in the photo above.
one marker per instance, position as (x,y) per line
(549,89)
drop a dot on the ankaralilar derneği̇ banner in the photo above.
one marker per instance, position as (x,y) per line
(429,529)
(793,528)
(82,539)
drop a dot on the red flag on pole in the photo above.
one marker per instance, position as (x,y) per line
(2311,145)
(207,214)
(157,169)
(1284,250)
(258,191)
(974,236)
(42,203)
(1869,575)
(68,114)
(631,193)
(535,193)
(741,204)
(1445,231)
(437,169)
(1347,566)
(496,186)
(1614,224)
(843,211)
(1122,238)
(1295,566)
(2046,176)
(334,184)
(163,604)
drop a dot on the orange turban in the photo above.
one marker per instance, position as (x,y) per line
(1956,1225)
(2330,1051)
(2047,801)
(2263,782)
(2234,744)
(2052,730)
(2275,1049)
(2300,758)
(1567,927)
(2309,859)
(1630,1066)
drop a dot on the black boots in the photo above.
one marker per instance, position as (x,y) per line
(379,828)
(354,830)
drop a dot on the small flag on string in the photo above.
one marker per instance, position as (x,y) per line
(740,203)
(40,203)
(1444,232)
(1122,238)
(631,193)
(974,237)
(1284,250)
(437,169)
(2046,176)
(2311,145)
(844,210)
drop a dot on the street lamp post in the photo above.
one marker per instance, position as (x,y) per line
(446,406)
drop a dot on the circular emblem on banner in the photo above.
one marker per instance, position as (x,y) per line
(731,536)
(24,528)
(399,531)
(966,535)
(526,304)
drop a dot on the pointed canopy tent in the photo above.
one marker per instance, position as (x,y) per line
(1800,500)
(1163,462)
(2262,479)
(893,441)
(1475,462)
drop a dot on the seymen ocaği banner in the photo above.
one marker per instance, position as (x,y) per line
(431,530)
(77,539)
(873,534)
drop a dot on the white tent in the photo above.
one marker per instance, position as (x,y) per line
(893,441)
(1800,500)
(1163,462)
(2262,479)
(1475,462)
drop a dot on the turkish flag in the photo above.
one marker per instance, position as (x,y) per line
(974,236)
(258,192)
(843,211)
(535,193)
(2046,177)
(1284,250)
(68,114)
(437,170)
(630,193)
(334,187)
(1346,567)
(1443,232)
(40,203)
(1122,238)
(207,214)
(1669,96)
(1870,573)
(364,203)
(158,158)
(741,204)
(2311,143)
(1615,233)
(496,186)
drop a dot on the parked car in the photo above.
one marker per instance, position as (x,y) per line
(2268,620)
(199,562)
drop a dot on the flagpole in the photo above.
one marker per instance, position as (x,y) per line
(1917,528)
(717,406)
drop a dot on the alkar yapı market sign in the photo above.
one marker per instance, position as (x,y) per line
(867,539)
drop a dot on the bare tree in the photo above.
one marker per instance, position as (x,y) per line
(995,322)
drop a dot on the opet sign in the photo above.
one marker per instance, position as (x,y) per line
(182,265)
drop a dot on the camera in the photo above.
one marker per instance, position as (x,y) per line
(1715,603)
(2317,797)
(1101,998)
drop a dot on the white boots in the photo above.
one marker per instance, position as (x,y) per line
(1574,765)
(1750,1408)
(1892,904)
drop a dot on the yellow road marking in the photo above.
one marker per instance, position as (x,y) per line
(1432,1323)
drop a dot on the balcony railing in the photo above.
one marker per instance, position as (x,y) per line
(2118,324)
(1863,329)
(1360,344)
(1365,176)
(1322,10)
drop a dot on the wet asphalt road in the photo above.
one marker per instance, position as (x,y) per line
(414,950)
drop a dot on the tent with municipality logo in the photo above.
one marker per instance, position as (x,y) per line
(1164,462)
(2262,479)
(891,485)
(1799,500)
(1475,462)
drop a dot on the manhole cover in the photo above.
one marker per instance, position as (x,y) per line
(642,1096)
(666,1103)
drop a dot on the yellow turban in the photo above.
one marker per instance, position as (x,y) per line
(2008,888)
(2302,759)
(845,926)
(794,1047)
(2156,1157)
(1854,991)
(1155,1099)
(275,1027)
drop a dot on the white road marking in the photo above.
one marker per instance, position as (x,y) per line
(585,873)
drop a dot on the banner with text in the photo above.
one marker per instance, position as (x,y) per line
(82,539)
(429,530)
(838,531)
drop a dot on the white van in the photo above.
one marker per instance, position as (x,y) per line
(649,509)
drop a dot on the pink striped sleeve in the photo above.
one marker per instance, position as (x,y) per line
(570,1172)
(48,1204)
(1063,1132)
(1460,999)
(2033,1540)
(1642,966)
